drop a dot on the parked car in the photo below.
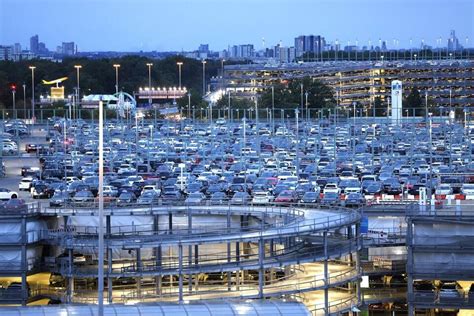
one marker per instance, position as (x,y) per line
(240,198)
(25,184)
(83,197)
(7,194)
(196,198)
(262,197)
(59,199)
(310,197)
(330,199)
(354,200)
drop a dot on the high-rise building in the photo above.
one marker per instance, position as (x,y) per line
(312,44)
(246,51)
(68,48)
(17,49)
(453,42)
(34,41)
(6,53)
(287,54)
(42,48)
(300,45)
(203,48)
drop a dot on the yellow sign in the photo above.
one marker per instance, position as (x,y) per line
(57,92)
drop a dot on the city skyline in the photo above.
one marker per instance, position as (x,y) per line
(198,24)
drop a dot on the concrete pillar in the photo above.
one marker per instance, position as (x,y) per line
(180,272)
(70,279)
(409,270)
(170,223)
(158,263)
(139,269)
(357,262)
(326,274)
(109,278)
(190,251)
(24,263)
(261,274)
(229,249)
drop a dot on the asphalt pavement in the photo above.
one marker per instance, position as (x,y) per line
(14,163)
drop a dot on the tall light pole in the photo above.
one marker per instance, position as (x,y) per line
(149,82)
(273,110)
(100,287)
(179,63)
(189,105)
(222,73)
(78,93)
(24,100)
(13,88)
(116,66)
(32,93)
(203,77)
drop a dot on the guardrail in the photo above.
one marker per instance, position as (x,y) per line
(338,306)
(297,254)
(439,299)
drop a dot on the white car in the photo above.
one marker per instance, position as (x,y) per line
(25,184)
(262,197)
(467,189)
(6,194)
(331,187)
(444,189)
(152,188)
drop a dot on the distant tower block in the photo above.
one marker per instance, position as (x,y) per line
(397,98)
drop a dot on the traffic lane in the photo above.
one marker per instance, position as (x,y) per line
(13,176)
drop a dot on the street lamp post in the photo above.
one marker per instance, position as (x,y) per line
(100,294)
(116,66)
(189,105)
(149,82)
(179,63)
(203,77)
(14,100)
(78,68)
(222,73)
(32,93)
(24,101)
(273,109)
(181,167)
(306,103)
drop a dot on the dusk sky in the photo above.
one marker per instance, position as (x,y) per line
(175,25)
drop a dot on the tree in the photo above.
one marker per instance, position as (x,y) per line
(413,103)
(288,96)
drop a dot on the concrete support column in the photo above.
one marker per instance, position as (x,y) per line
(261,274)
(326,274)
(170,223)
(109,279)
(158,258)
(229,249)
(409,268)
(158,263)
(180,272)
(24,263)
(237,259)
(357,262)
(139,268)
(70,279)
(190,251)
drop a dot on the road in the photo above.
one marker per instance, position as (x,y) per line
(13,164)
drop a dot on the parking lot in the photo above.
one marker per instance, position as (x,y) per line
(327,162)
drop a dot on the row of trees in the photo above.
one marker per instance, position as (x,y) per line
(316,95)
(98,75)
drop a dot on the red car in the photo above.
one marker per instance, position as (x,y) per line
(287,196)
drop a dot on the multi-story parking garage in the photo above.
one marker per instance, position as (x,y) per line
(447,83)
(173,253)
